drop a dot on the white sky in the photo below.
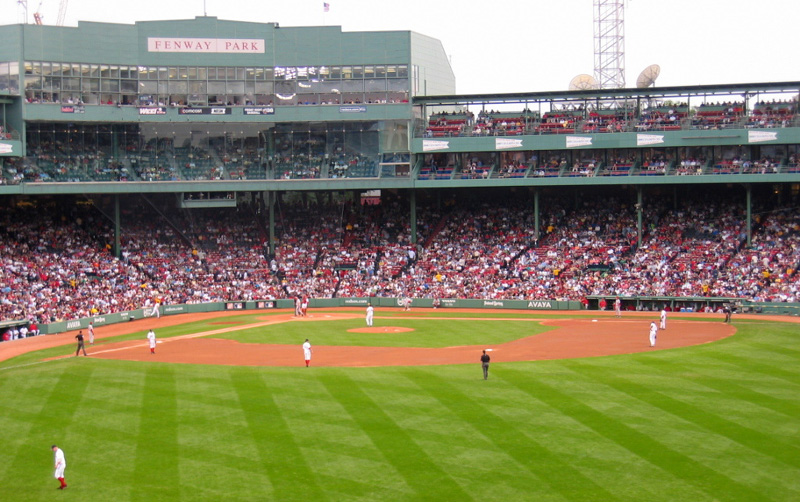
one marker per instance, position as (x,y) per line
(517,45)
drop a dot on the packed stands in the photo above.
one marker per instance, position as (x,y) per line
(56,259)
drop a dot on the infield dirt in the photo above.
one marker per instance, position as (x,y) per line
(588,334)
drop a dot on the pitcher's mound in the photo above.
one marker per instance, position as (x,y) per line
(380,329)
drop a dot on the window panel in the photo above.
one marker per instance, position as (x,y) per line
(178,87)
(198,87)
(374,85)
(234,88)
(71,84)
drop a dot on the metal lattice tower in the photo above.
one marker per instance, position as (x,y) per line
(609,43)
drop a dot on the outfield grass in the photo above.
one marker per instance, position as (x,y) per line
(717,422)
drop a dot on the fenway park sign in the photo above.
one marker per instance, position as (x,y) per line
(206,45)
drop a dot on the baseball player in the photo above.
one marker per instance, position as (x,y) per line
(156,313)
(297,309)
(60,464)
(151,337)
(370,313)
(307,352)
(663,319)
(304,306)
(618,307)
(653,333)
(91,333)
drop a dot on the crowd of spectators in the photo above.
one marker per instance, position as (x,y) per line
(56,261)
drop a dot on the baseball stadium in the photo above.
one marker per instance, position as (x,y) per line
(186,202)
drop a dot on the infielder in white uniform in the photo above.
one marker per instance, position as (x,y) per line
(618,307)
(151,337)
(91,333)
(663,319)
(653,333)
(155,312)
(60,464)
(307,352)
(370,313)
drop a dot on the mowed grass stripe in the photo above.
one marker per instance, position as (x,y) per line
(753,365)
(731,386)
(660,455)
(157,453)
(289,477)
(534,457)
(756,440)
(424,477)
(768,441)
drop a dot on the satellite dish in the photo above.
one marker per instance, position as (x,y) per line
(582,82)
(648,76)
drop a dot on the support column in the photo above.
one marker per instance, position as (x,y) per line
(675,197)
(639,217)
(413,203)
(271,204)
(749,222)
(536,215)
(117,251)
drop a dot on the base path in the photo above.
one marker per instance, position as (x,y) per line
(589,334)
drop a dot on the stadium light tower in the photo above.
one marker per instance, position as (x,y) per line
(609,43)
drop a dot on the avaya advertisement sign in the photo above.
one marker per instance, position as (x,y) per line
(207,45)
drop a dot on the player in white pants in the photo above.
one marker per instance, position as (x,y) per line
(653,333)
(663,319)
(307,352)
(60,465)
(370,314)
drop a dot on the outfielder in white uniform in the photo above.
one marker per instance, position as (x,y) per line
(91,333)
(653,333)
(307,352)
(663,319)
(618,307)
(151,337)
(370,313)
(60,465)
(155,312)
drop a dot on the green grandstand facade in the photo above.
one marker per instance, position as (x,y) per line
(209,105)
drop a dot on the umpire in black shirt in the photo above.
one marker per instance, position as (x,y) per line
(485,364)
